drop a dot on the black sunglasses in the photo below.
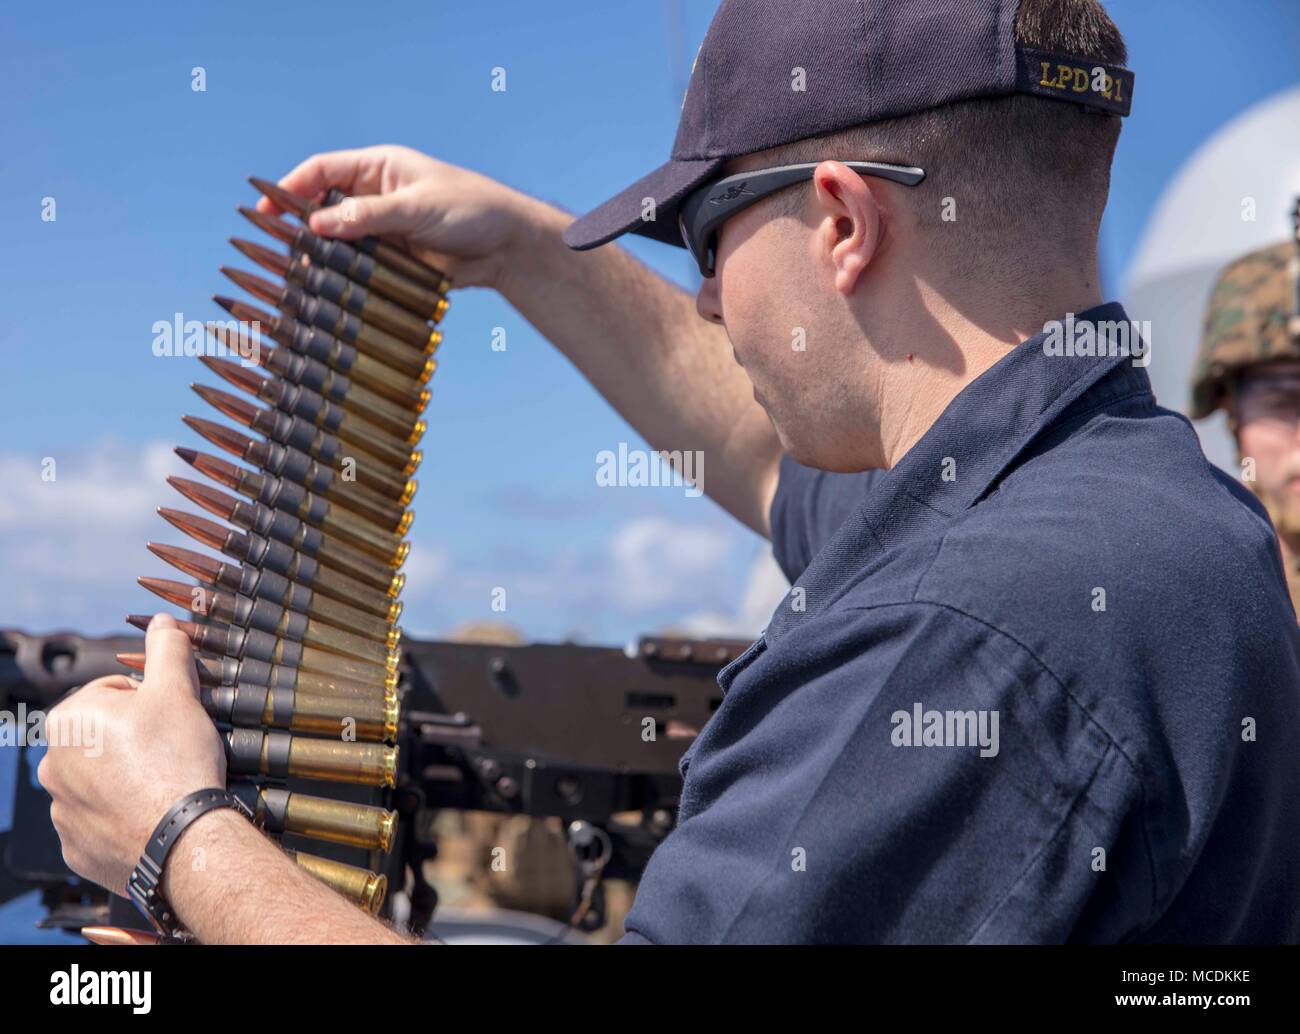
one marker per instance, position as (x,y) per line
(707,208)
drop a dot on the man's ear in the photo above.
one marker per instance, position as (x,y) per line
(850,222)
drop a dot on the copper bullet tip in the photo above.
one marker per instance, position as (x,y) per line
(209,670)
(134,661)
(187,597)
(117,935)
(196,565)
(246,313)
(141,621)
(206,496)
(255,285)
(281,198)
(264,257)
(226,404)
(219,470)
(240,376)
(277,228)
(218,434)
(208,532)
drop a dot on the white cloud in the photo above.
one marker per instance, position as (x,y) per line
(656,560)
(108,484)
(764,588)
(71,547)
(426,567)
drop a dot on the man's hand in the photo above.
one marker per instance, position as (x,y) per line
(467,225)
(122,753)
(144,747)
(639,340)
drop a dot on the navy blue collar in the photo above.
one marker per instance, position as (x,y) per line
(980,434)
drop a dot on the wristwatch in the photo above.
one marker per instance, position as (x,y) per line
(145,882)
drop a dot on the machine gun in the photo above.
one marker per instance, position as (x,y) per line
(591,735)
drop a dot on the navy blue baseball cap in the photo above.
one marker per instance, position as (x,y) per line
(861,61)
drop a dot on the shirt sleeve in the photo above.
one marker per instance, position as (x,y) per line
(808,508)
(824,811)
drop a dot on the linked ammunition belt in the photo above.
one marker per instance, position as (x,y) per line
(295,628)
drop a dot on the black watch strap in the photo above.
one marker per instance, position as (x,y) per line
(145,882)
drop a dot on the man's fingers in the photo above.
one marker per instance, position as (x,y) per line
(350,170)
(168,658)
(83,695)
(369,214)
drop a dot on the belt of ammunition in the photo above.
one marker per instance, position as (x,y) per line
(297,650)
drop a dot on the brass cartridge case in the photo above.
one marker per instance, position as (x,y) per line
(291,593)
(331,684)
(361,534)
(283,755)
(374,309)
(339,641)
(382,465)
(351,619)
(401,389)
(326,662)
(227,672)
(392,453)
(399,421)
(371,718)
(281,623)
(289,526)
(279,811)
(360,886)
(320,818)
(386,514)
(340,586)
(422,301)
(368,339)
(395,258)
(347,391)
(364,764)
(310,342)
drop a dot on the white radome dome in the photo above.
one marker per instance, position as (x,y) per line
(1197,228)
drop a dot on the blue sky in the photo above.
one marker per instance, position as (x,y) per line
(146,173)
(97,111)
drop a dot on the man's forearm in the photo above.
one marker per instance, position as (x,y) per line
(229,884)
(641,343)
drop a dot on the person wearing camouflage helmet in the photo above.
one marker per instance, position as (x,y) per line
(1249,366)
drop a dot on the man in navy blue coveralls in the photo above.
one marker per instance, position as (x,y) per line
(1036,679)
(1125,800)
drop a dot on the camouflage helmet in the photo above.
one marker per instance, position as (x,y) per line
(1252,318)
